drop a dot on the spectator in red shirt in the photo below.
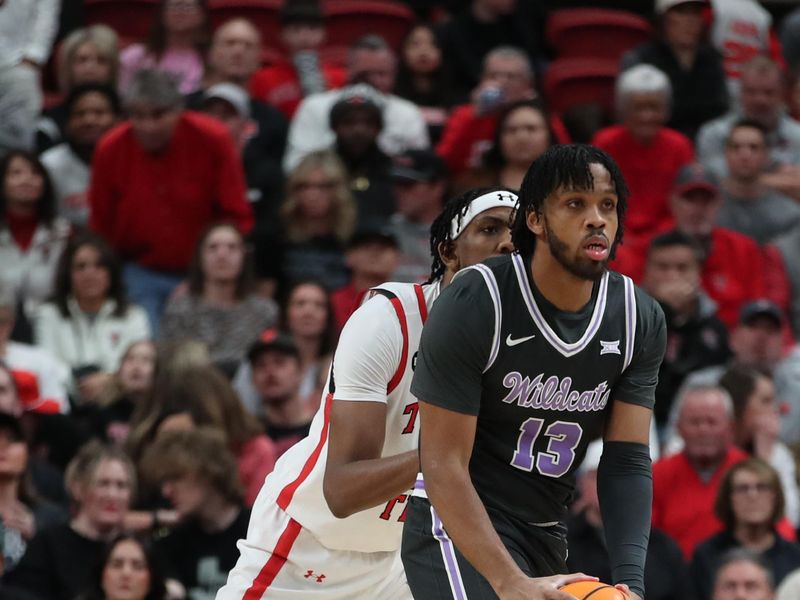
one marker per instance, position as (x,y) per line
(507,78)
(648,153)
(157,182)
(287,81)
(685,485)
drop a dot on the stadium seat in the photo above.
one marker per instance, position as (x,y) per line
(570,82)
(595,32)
(348,20)
(262,13)
(131,19)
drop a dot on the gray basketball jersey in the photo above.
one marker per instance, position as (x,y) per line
(547,380)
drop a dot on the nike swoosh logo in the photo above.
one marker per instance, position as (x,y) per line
(513,342)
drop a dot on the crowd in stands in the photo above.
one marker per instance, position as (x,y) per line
(188,218)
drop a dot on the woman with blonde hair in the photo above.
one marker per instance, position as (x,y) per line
(317,219)
(87,55)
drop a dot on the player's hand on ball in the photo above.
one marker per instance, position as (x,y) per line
(540,588)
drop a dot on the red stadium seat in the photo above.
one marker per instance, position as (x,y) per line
(348,20)
(595,32)
(570,82)
(264,14)
(131,19)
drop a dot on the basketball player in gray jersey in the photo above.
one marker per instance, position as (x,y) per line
(523,361)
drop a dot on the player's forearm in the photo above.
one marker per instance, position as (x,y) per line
(464,516)
(362,484)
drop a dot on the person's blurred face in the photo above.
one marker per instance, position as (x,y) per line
(752,498)
(9,401)
(181,16)
(375,67)
(300,37)
(742,580)
(695,211)
(761,403)
(683,25)
(415,198)
(705,426)
(126,575)
(487,235)
(307,311)
(357,131)
(644,113)
(758,343)
(761,97)
(746,153)
(13,456)
(510,74)
(89,65)
(137,367)
(225,113)
(222,255)
(187,494)
(524,137)
(498,7)
(315,194)
(23,185)
(671,267)
(420,52)
(90,118)
(235,51)
(153,126)
(276,376)
(91,279)
(373,261)
(106,498)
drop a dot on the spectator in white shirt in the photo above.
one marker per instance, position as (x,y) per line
(27,29)
(88,323)
(370,61)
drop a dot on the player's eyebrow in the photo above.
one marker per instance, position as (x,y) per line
(489,220)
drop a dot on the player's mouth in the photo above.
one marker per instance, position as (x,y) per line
(596,247)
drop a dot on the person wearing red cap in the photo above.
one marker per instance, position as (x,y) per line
(329,518)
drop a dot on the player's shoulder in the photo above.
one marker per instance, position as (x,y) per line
(648,309)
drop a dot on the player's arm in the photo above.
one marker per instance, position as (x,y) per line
(368,354)
(454,350)
(624,481)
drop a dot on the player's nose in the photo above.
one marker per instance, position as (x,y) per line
(505,246)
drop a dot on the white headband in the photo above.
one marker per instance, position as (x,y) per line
(477,206)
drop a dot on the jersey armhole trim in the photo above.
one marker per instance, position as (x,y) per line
(401,317)
(630,321)
(494,294)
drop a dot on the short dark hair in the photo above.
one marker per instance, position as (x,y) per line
(46,206)
(723,505)
(563,166)
(675,238)
(105,90)
(455,207)
(301,12)
(62,286)
(749,124)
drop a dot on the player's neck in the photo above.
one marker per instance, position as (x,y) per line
(562,289)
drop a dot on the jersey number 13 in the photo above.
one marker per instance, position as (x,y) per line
(563,438)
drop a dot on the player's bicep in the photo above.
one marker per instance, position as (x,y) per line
(446,438)
(628,423)
(357,431)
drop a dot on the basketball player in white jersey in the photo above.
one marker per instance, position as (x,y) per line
(327,523)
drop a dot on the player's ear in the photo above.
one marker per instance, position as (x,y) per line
(447,253)
(535,222)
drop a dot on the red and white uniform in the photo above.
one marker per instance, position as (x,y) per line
(295,546)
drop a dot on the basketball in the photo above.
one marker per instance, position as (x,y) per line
(596,590)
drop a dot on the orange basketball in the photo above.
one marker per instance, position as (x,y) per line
(596,590)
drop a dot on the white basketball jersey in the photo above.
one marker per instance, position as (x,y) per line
(296,483)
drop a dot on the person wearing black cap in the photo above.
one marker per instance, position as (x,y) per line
(277,374)
(420,184)
(329,518)
(356,120)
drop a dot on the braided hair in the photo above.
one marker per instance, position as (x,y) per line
(455,207)
(563,166)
